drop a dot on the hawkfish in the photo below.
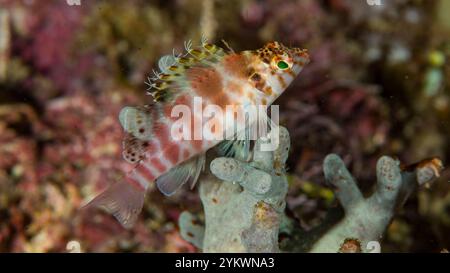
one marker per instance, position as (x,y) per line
(220,77)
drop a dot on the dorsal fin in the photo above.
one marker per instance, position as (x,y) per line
(172,76)
(165,62)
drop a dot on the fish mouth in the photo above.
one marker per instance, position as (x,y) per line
(300,55)
(300,58)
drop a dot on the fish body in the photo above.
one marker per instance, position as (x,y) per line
(206,77)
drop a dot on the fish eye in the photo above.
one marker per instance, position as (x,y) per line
(282,65)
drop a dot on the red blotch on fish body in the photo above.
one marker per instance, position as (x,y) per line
(205,80)
(168,112)
(181,100)
(130,180)
(236,65)
(151,147)
(145,173)
(222,99)
(186,154)
(197,145)
(235,88)
(156,162)
(208,84)
(161,132)
(172,153)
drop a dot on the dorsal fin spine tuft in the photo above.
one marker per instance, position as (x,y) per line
(172,68)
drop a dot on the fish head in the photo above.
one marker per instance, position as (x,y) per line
(274,67)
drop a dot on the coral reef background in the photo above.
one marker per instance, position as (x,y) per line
(377,85)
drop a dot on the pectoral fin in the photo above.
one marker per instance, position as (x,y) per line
(239,146)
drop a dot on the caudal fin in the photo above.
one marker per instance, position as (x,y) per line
(122,200)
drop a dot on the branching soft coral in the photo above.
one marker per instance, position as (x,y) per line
(366,219)
(244,204)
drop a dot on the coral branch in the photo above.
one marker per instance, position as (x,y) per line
(244,204)
(244,201)
(191,229)
(345,187)
(366,220)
